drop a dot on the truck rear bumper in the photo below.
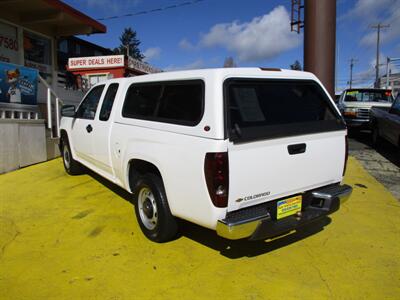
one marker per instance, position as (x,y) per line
(259,222)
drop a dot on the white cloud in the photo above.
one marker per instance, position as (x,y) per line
(152,53)
(262,38)
(186,45)
(197,64)
(370,8)
(369,12)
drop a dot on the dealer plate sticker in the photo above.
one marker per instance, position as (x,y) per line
(288,207)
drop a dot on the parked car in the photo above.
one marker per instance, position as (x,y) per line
(355,105)
(251,153)
(385,123)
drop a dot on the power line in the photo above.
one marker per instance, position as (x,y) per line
(145,12)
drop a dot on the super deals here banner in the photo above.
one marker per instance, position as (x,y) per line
(18,84)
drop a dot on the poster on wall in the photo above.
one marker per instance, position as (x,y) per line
(18,84)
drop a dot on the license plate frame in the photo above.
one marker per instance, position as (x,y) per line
(289,206)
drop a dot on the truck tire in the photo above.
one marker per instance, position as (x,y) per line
(71,166)
(152,209)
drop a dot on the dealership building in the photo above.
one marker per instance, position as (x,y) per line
(36,46)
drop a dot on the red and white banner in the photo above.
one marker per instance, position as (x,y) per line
(96,62)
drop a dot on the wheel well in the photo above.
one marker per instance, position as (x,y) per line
(138,167)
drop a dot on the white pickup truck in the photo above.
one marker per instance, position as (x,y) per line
(248,152)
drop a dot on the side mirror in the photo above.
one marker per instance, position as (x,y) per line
(68,111)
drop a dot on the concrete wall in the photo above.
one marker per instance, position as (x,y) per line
(22,143)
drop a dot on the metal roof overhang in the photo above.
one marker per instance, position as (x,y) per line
(49,17)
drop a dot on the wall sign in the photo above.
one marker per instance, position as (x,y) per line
(96,62)
(8,43)
(18,84)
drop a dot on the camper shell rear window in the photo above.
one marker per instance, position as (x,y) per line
(258,109)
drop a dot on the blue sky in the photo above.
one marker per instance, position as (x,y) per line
(253,32)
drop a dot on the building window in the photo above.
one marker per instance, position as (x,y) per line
(37,53)
(77,49)
(8,44)
(63,46)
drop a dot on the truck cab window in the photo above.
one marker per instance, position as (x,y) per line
(88,107)
(108,102)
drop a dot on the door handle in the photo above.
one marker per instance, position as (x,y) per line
(89,128)
(297,148)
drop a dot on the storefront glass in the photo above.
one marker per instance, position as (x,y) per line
(37,52)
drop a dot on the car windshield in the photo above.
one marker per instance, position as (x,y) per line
(368,96)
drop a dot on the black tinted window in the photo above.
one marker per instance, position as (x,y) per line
(272,108)
(141,101)
(178,102)
(88,107)
(108,102)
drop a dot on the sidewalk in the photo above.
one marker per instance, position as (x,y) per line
(64,237)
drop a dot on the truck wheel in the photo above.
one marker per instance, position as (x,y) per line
(72,167)
(152,209)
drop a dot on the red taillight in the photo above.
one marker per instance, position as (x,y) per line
(216,170)
(346,154)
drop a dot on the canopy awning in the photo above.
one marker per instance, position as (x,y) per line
(49,17)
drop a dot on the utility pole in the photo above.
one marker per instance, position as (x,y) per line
(378,26)
(387,71)
(352,61)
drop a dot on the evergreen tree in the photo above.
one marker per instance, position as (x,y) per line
(229,62)
(129,40)
(296,66)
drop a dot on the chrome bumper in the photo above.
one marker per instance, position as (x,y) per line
(258,223)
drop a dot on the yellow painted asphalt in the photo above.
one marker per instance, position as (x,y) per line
(64,237)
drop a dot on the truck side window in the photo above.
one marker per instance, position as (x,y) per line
(108,102)
(178,102)
(88,107)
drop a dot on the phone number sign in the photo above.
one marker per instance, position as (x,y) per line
(8,43)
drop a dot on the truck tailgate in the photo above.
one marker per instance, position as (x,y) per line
(265,170)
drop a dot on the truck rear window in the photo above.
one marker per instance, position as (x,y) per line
(262,109)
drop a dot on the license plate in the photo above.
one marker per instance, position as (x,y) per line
(288,207)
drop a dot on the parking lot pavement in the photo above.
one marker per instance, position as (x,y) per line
(382,162)
(64,237)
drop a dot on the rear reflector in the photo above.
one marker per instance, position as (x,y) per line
(216,171)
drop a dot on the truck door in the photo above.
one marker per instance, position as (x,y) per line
(82,126)
(102,129)
(391,122)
